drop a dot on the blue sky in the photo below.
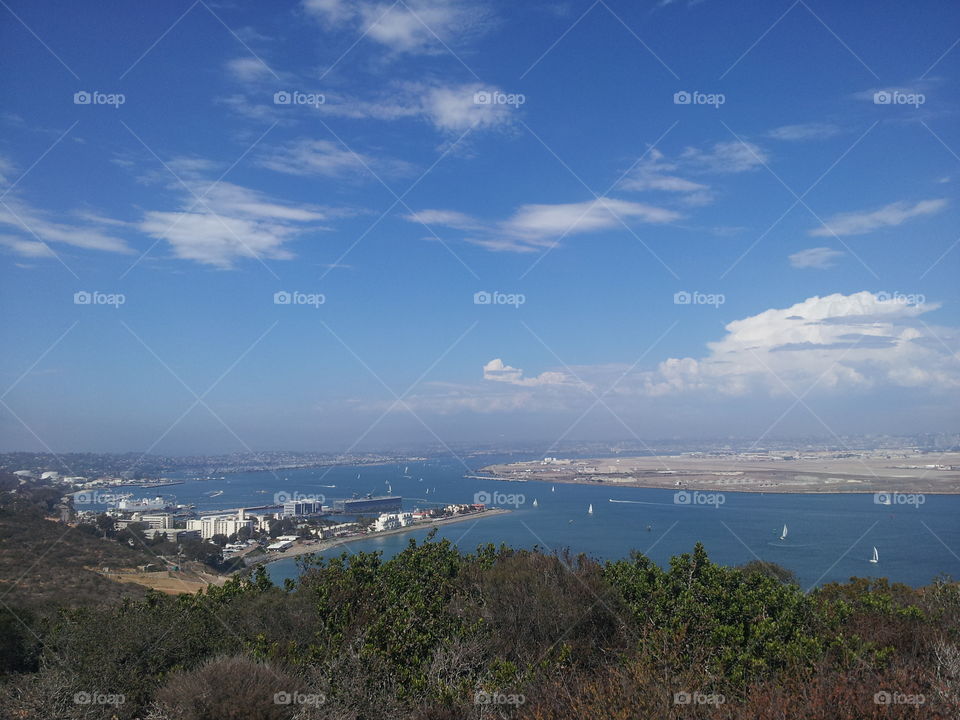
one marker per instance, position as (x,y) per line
(689,218)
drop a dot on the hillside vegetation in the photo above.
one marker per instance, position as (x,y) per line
(434,633)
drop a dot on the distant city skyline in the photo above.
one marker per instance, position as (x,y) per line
(350,226)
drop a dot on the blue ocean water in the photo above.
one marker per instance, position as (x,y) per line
(830,538)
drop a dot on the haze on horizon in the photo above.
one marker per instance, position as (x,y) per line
(325,224)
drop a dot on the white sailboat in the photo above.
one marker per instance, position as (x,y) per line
(590,509)
(535,503)
(553,489)
(783,535)
(876,556)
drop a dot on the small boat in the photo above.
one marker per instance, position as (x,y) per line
(876,556)
(406,470)
(535,503)
(553,488)
(783,535)
(649,528)
(590,509)
(215,493)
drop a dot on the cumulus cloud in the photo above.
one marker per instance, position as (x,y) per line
(537,226)
(819,258)
(860,223)
(840,342)
(496,371)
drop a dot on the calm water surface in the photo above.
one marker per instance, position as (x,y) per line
(831,537)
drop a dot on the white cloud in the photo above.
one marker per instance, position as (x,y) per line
(859,223)
(840,342)
(447,218)
(496,371)
(537,226)
(26,248)
(231,223)
(34,225)
(454,109)
(804,131)
(726,157)
(327,159)
(249,70)
(820,258)
(416,26)
(656,173)
(6,170)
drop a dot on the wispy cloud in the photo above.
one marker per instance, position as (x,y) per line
(231,223)
(859,223)
(805,131)
(726,157)
(819,258)
(414,26)
(327,159)
(35,226)
(536,226)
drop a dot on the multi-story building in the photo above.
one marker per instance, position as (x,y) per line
(211,525)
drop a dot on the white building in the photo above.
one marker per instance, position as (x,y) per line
(156,520)
(211,525)
(392,521)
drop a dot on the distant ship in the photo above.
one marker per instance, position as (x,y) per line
(552,489)
(215,493)
(783,535)
(876,556)
(535,503)
(590,509)
(141,504)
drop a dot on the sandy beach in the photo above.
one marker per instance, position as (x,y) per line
(306,548)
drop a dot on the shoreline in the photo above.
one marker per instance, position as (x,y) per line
(324,545)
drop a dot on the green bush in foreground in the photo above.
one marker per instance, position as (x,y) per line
(435,633)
